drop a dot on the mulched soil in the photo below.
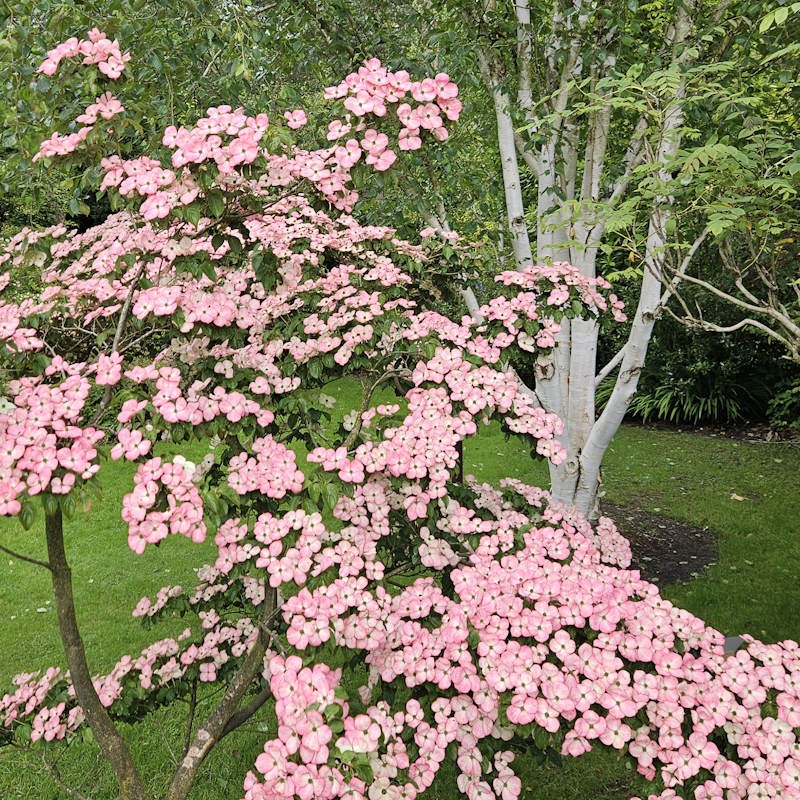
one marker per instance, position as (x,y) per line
(664,550)
(745,432)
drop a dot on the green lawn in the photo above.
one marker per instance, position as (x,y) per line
(754,588)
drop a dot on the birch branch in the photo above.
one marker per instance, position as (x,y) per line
(531,161)
(515,207)
(792,344)
(788,332)
(610,367)
(524,54)
(634,156)
(680,273)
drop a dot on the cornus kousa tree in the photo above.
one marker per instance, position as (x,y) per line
(391,615)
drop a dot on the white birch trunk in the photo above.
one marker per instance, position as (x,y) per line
(566,379)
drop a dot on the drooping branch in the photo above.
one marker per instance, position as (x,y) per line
(669,291)
(55,775)
(21,557)
(785,330)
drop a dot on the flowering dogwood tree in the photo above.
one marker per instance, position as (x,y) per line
(394,615)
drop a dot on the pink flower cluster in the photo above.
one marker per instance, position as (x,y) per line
(106,107)
(29,695)
(271,471)
(96,49)
(164,501)
(647,671)
(294,765)
(205,142)
(372,88)
(527,317)
(13,334)
(225,136)
(563,283)
(424,446)
(58,145)
(36,698)
(42,446)
(174,404)
(141,175)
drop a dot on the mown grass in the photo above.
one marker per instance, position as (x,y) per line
(753,588)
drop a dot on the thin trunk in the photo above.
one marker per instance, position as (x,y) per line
(111,743)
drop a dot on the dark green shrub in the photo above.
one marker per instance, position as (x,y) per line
(701,378)
(783,410)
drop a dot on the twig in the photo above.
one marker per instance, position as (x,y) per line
(165,739)
(353,435)
(610,367)
(123,318)
(21,557)
(56,776)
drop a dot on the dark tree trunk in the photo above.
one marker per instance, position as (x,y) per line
(111,743)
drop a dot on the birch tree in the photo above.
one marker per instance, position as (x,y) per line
(588,98)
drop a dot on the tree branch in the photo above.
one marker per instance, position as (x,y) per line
(788,333)
(634,156)
(21,557)
(244,714)
(121,323)
(680,273)
(610,367)
(515,206)
(531,162)
(524,53)
(55,774)
(187,739)
(210,732)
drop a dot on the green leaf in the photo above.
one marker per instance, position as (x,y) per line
(767,22)
(49,503)
(331,494)
(541,738)
(235,244)
(27,515)
(216,204)
(193,214)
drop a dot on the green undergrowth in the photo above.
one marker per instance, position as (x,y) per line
(746,492)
